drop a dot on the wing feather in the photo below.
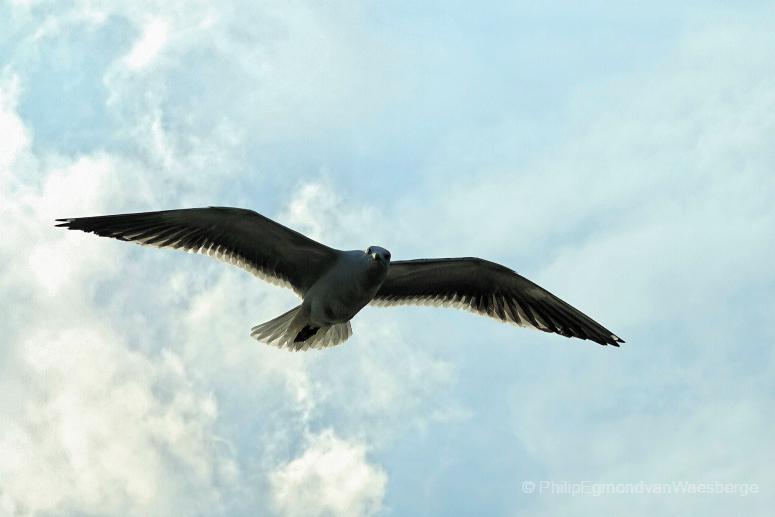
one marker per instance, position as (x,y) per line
(237,236)
(490,289)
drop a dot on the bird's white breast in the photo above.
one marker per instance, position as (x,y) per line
(345,289)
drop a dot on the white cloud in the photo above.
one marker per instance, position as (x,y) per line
(103,429)
(319,210)
(149,45)
(294,62)
(15,136)
(113,403)
(133,399)
(89,424)
(331,477)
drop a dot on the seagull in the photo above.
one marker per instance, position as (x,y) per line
(335,285)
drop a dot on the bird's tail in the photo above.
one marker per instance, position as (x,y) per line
(292,330)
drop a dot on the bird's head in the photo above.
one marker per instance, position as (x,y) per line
(378,254)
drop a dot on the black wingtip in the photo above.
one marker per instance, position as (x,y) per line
(63,222)
(616,341)
(613,340)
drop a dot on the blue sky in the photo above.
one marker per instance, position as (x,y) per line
(618,154)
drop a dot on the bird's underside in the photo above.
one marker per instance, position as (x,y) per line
(335,284)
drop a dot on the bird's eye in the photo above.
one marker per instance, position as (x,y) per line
(387,255)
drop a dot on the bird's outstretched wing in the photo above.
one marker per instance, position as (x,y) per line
(490,289)
(235,235)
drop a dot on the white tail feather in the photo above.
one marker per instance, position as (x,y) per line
(282,330)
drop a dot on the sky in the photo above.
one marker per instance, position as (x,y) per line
(620,154)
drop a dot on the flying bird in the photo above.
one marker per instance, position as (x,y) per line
(335,285)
